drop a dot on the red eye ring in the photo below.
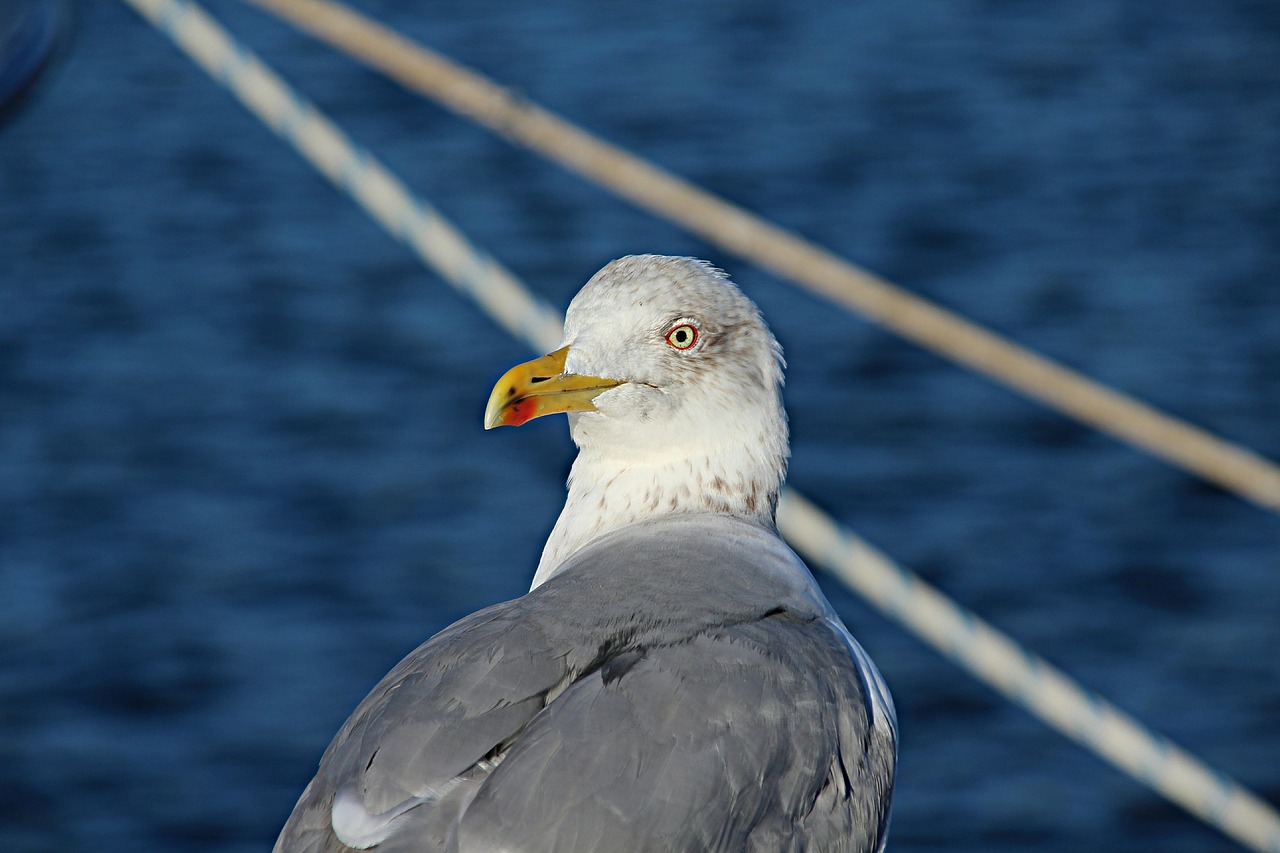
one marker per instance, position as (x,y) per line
(683,336)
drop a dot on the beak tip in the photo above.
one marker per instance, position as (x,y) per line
(509,401)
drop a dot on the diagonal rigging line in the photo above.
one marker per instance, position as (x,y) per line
(740,232)
(988,654)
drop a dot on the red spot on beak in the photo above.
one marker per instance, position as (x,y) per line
(520,413)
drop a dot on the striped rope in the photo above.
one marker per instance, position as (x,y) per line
(990,655)
(742,233)
(353,169)
(1048,693)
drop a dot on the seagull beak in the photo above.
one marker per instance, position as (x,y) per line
(541,387)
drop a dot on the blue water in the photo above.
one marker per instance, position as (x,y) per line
(241,463)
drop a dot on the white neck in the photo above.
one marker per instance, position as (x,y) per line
(740,479)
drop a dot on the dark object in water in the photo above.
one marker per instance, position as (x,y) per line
(29,38)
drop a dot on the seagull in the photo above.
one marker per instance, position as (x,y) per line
(674,680)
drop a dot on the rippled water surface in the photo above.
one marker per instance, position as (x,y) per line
(241,463)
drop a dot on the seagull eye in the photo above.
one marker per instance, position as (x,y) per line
(683,336)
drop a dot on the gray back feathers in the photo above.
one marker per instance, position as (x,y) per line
(680,686)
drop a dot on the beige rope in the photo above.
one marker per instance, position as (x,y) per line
(737,231)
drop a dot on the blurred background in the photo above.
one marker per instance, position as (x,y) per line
(241,464)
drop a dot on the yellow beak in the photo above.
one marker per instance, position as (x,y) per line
(541,387)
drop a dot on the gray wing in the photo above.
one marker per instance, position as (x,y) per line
(414,751)
(752,737)
(620,708)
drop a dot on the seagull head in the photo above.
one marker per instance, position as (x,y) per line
(661,355)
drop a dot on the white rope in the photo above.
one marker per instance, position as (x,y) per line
(351,168)
(1048,693)
(988,654)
